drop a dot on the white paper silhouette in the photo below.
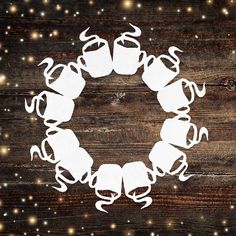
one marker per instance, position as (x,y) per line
(136,175)
(163,156)
(58,108)
(126,60)
(108,177)
(61,147)
(98,62)
(156,74)
(173,99)
(175,131)
(61,141)
(68,83)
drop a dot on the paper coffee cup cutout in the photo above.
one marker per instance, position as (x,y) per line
(78,163)
(58,108)
(156,74)
(126,59)
(136,175)
(67,155)
(69,83)
(173,99)
(61,142)
(163,157)
(107,178)
(175,131)
(98,62)
(61,148)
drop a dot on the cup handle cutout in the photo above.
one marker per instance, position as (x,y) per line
(62,177)
(87,178)
(91,180)
(151,172)
(53,129)
(76,66)
(49,159)
(148,60)
(144,56)
(182,112)
(183,116)
(52,124)
(80,63)
(157,172)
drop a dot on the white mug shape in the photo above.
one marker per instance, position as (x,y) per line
(175,131)
(108,177)
(135,175)
(98,62)
(58,108)
(163,156)
(68,83)
(63,143)
(126,59)
(78,163)
(156,74)
(173,99)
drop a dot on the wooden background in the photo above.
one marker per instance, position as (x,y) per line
(118,119)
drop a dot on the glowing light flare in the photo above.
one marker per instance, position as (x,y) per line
(13,9)
(71,231)
(32,220)
(127,4)
(4,151)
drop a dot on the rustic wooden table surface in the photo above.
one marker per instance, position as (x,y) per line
(117,118)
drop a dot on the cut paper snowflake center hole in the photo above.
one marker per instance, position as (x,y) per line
(121,124)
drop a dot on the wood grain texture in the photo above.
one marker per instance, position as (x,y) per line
(118,120)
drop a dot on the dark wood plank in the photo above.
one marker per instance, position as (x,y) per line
(118,119)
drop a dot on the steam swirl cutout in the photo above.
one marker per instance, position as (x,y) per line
(69,157)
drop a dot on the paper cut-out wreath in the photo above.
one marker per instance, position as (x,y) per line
(67,153)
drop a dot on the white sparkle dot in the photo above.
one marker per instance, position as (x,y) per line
(45,223)
(139,5)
